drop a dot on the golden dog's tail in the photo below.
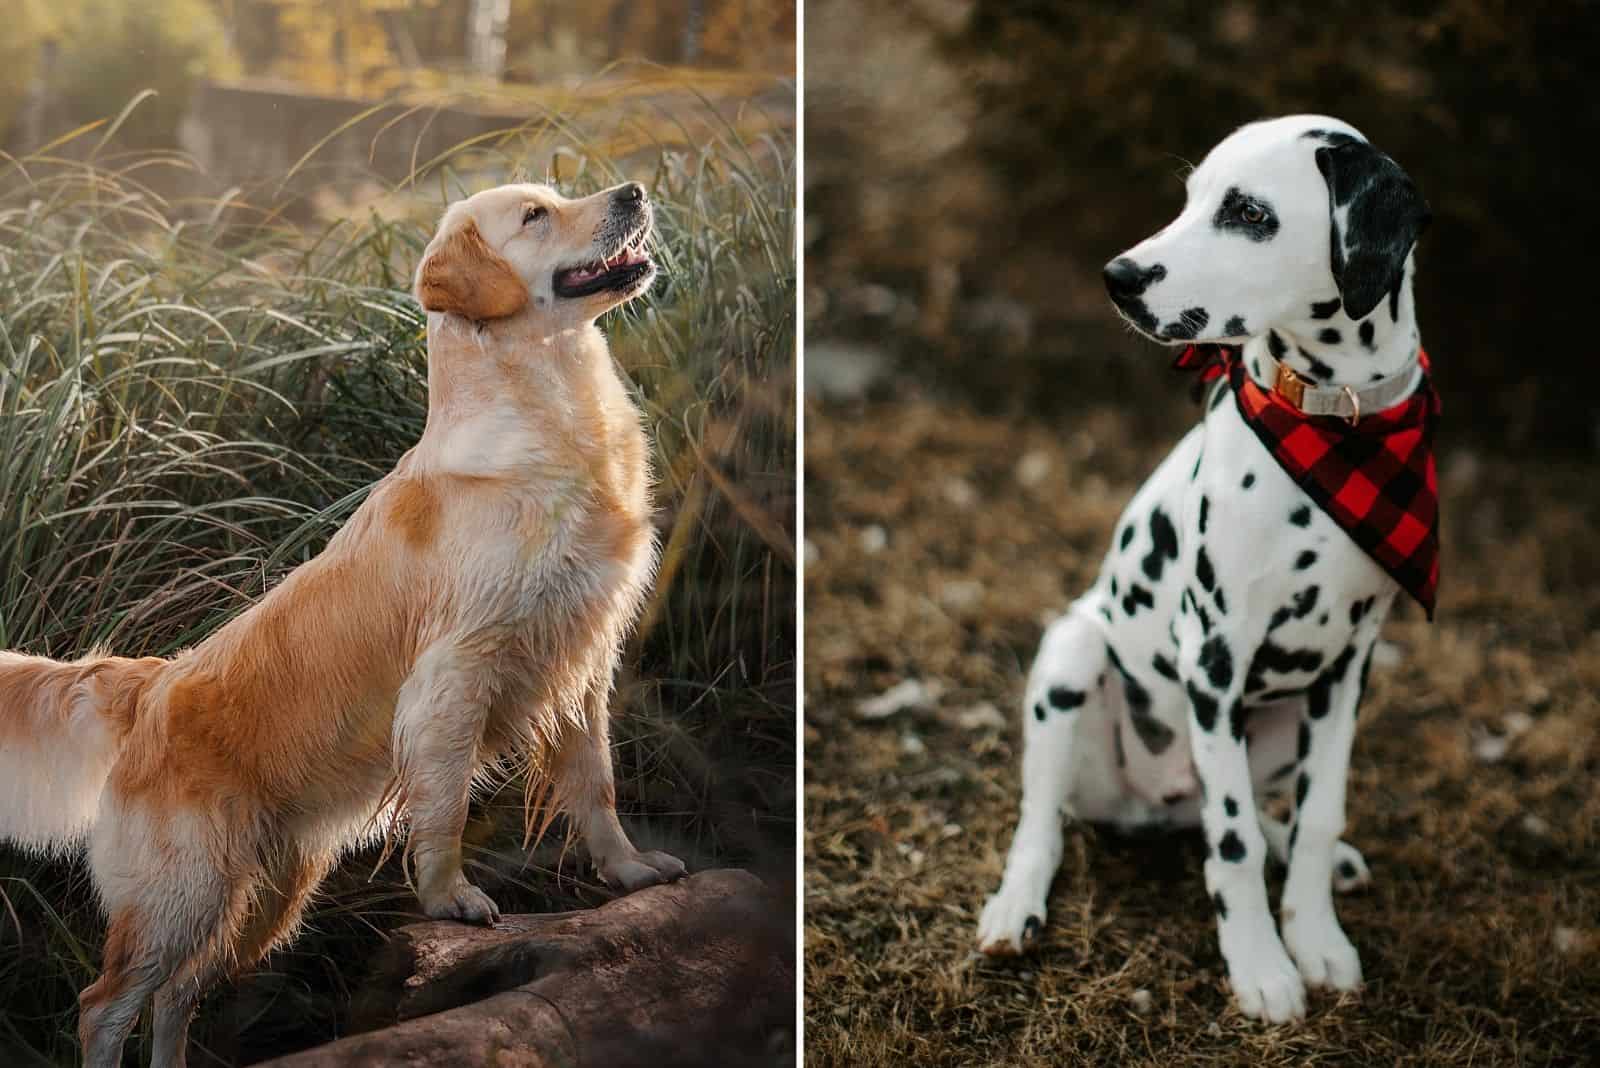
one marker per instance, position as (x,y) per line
(61,726)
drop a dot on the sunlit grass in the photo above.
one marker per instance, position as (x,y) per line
(194,395)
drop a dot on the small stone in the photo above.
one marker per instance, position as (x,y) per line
(916,857)
(1490,748)
(961,593)
(843,371)
(1518,724)
(1387,655)
(1143,1001)
(1537,826)
(912,745)
(1214,1029)
(1566,939)
(1033,468)
(981,716)
(911,693)
(959,492)
(812,553)
(874,539)
(951,830)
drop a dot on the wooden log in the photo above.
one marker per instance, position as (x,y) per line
(699,972)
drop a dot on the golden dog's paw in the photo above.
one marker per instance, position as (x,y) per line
(641,870)
(463,902)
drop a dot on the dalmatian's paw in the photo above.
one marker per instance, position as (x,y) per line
(1325,955)
(1265,984)
(1350,872)
(1009,925)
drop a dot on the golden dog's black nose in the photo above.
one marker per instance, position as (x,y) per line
(629,195)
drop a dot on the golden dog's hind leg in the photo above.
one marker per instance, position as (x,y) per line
(587,790)
(280,900)
(147,945)
(438,739)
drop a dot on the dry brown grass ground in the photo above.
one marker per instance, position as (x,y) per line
(1480,937)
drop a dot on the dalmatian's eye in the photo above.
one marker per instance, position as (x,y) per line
(533,215)
(1252,214)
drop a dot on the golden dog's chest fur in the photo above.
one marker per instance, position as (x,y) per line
(519,525)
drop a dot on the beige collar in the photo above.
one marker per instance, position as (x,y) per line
(1347,402)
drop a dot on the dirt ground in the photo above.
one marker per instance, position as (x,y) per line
(939,542)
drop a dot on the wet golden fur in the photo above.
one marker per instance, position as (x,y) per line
(473,607)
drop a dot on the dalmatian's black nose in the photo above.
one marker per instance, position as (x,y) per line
(1126,279)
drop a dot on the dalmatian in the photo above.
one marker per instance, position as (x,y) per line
(1220,655)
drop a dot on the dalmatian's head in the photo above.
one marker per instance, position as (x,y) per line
(1286,220)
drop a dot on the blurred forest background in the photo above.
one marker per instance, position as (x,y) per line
(209,217)
(971,165)
(977,417)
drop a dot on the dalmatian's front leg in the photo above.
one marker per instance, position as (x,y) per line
(1327,730)
(1211,666)
(1062,688)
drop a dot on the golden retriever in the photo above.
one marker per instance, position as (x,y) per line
(474,606)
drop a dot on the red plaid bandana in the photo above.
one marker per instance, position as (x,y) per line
(1375,479)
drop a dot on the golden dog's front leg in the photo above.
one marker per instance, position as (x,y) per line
(438,736)
(588,790)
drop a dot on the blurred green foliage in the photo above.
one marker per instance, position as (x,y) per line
(93,56)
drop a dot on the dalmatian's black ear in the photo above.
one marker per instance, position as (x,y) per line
(1377,214)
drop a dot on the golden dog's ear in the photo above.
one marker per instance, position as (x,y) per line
(461,274)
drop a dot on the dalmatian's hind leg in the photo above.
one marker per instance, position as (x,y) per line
(1065,688)
(1350,871)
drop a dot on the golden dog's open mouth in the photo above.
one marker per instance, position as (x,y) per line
(622,270)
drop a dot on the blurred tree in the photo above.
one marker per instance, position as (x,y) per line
(20,47)
(107,51)
(373,46)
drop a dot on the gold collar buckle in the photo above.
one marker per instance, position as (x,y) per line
(1288,385)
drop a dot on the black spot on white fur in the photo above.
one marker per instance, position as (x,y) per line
(1359,609)
(1065,699)
(1315,368)
(1221,906)
(1203,570)
(1329,336)
(1189,324)
(1249,480)
(1217,662)
(1305,560)
(1301,516)
(1137,597)
(1205,707)
(1205,511)
(1325,309)
(1230,806)
(1366,332)
(1231,848)
(1234,327)
(1163,545)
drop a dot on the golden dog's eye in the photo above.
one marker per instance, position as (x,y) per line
(531,214)
(1252,214)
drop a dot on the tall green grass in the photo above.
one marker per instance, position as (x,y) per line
(194,394)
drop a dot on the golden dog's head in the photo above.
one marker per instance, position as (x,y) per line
(504,249)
